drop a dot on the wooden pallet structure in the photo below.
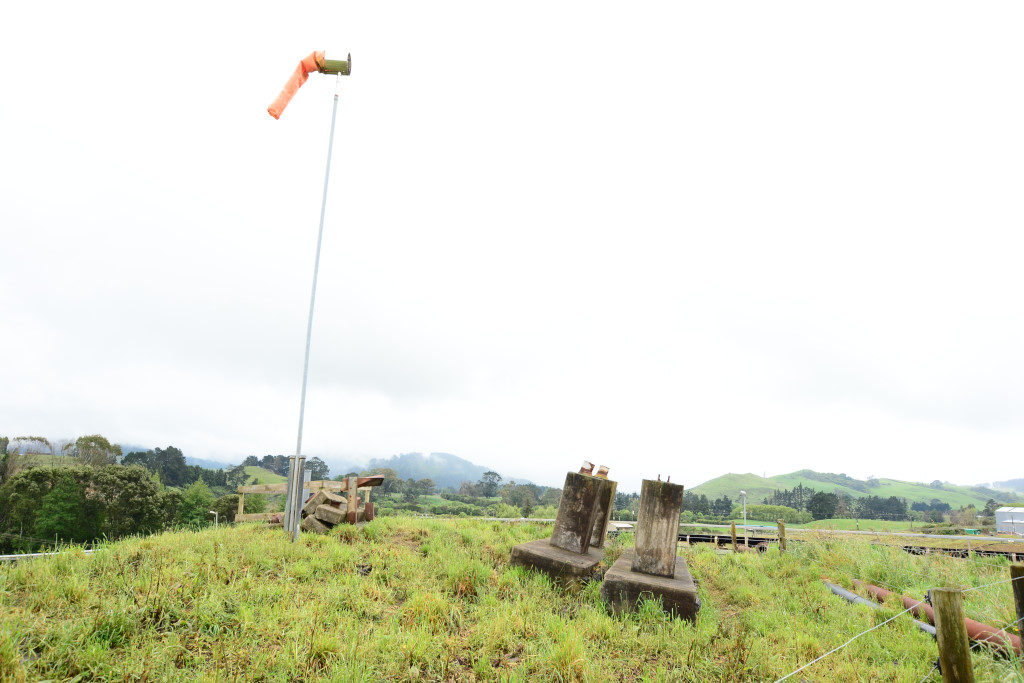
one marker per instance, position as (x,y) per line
(330,503)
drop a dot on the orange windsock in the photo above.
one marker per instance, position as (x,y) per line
(314,62)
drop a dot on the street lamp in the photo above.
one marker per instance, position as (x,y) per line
(216,517)
(744,494)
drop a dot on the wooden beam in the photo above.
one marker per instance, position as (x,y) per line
(256,516)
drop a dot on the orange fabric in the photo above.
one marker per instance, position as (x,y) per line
(314,62)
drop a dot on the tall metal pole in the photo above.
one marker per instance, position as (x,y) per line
(312,299)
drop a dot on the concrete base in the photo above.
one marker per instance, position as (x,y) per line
(623,588)
(559,564)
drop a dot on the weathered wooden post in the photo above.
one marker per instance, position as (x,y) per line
(569,554)
(241,504)
(951,634)
(353,499)
(653,569)
(1017,581)
(782,536)
(733,531)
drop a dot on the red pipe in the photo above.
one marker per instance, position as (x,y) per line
(975,629)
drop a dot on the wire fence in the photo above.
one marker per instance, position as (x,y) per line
(837,649)
(976,644)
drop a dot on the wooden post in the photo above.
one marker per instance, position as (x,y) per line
(733,530)
(951,633)
(353,499)
(657,528)
(1017,574)
(241,504)
(782,536)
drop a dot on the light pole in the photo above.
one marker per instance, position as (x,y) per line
(744,494)
(216,518)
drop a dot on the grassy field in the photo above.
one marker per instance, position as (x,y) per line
(264,476)
(758,487)
(844,524)
(410,599)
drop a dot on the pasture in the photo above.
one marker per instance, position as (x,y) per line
(414,599)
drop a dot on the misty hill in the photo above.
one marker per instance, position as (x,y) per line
(758,488)
(1010,485)
(444,468)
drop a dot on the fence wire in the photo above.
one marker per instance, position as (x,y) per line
(818,659)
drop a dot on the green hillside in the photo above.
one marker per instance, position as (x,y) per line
(758,488)
(263,476)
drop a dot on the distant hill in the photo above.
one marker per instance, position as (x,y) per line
(444,468)
(758,488)
(1010,485)
(208,464)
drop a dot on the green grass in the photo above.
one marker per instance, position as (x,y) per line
(866,525)
(410,599)
(264,476)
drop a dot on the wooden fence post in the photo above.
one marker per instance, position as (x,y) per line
(951,633)
(241,503)
(1017,574)
(734,549)
(782,536)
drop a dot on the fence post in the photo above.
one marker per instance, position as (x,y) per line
(951,633)
(782,536)
(1017,576)
(734,537)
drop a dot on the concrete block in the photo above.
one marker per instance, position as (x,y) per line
(558,563)
(330,514)
(318,499)
(657,528)
(313,524)
(603,513)
(574,522)
(623,589)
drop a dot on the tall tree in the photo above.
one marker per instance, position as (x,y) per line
(196,502)
(318,469)
(131,500)
(95,450)
(489,482)
(67,514)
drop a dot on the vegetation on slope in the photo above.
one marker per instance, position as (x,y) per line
(414,599)
(758,488)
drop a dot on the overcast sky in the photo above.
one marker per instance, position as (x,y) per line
(672,238)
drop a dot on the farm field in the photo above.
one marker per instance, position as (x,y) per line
(843,524)
(263,476)
(415,599)
(758,487)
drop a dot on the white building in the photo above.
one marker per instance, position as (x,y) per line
(1010,521)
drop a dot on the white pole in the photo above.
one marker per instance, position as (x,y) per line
(290,505)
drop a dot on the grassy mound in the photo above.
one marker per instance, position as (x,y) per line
(428,599)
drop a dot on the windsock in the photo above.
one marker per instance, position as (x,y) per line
(314,62)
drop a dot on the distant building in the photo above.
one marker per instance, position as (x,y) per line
(1010,521)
